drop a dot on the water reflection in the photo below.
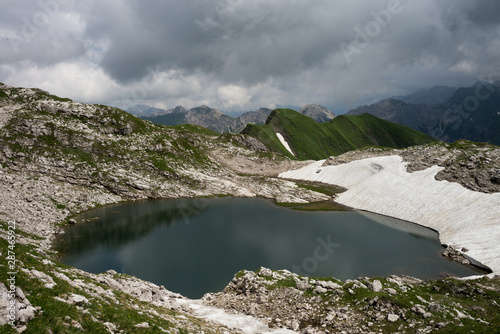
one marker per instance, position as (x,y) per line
(194,246)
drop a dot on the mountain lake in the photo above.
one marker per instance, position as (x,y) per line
(194,246)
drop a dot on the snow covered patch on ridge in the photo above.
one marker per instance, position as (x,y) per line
(284,142)
(463,218)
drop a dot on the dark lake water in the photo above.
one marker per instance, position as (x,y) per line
(195,246)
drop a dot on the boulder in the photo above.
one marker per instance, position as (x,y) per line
(266,272)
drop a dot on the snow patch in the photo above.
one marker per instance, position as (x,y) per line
(284,142)
(463,218)
(248,324)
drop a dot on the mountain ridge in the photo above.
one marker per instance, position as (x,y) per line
(215,120)
(311,140)
(471,113)
(433,95)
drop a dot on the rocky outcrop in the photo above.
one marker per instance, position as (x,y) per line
(456,255)
(15,307)
(282,299)
(249,142)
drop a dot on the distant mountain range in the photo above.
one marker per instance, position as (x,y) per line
(142,110)
(303,138)
(433,95)
(445,113)
(217,121)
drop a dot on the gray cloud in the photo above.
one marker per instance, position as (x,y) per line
(270,52)
(485,12)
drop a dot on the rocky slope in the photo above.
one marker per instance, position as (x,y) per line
(389,305)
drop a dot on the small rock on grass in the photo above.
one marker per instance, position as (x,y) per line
(392,317)
(142,325)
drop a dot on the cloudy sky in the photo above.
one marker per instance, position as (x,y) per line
(240,55)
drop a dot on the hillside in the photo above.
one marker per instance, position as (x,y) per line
(311,140)
(471,113)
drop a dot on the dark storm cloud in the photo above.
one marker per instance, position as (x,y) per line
(317,51)
(485,12)
(243,41)
(246,41)
(35,31)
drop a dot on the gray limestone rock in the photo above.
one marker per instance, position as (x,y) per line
(142,325)
(304,286)
(392,317)
(77,299)
(376,286)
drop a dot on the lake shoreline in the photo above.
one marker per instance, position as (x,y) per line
(221,236)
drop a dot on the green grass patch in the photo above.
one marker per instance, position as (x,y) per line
(191,128)
(57,204)
(315,206)
(323,188)
(322,206)
(284,283)
(47,96)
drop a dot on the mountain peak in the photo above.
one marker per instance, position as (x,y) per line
(177,110)
(319,113)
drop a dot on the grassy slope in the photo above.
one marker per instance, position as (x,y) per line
(150,149)
(311,140)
